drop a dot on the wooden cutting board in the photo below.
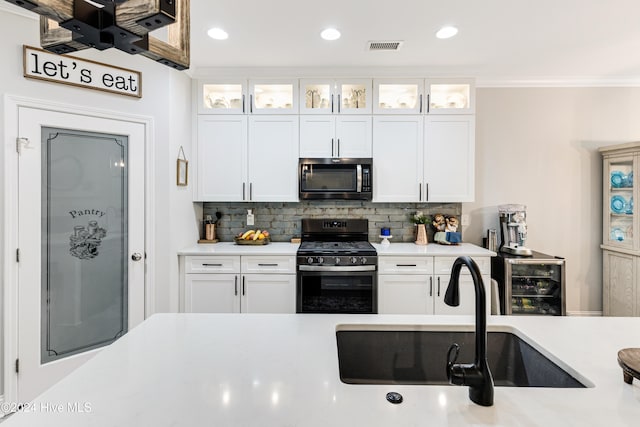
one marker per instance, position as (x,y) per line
(629,361)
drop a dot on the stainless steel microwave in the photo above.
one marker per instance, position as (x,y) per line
(335,178)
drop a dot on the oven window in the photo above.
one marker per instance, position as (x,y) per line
(329,178)
(336,293)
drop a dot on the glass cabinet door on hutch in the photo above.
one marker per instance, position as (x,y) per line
(619,189)
(273,96)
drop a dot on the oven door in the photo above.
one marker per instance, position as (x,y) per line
(337,291)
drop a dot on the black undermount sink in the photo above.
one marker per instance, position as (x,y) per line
(384,354)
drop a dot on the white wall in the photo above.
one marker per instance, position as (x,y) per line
(165,97)
(538,147)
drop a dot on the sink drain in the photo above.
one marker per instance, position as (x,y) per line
(394,397)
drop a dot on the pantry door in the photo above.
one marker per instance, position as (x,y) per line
(81,268)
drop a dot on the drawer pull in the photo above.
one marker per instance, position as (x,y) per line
(406,265)
(212,265)
(268,265)
(236,285)
(430,286)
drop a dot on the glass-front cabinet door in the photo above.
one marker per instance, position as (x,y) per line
(404,96)
(273,96)
(619,210)
(450,96)
(349,96)
(222,97)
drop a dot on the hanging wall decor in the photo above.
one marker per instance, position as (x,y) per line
(182,169)
(70,25)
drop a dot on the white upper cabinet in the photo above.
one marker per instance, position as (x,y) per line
(398,158)
(449,159)
(240,96)
(333,136)
(273,159)
(221,153)
(242,158)
(398,96)
(330,96)
(450,96)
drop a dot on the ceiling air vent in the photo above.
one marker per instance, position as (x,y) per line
(384,45)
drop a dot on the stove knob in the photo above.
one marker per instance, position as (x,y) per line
(354,260)
(337,260)
(320,260)
(363,260)
(310,260)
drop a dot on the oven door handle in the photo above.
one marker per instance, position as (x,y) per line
(343,269)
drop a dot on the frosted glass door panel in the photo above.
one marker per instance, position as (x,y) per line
(273,97)
(449,97)
(84,241)
(316,97)
(398,97)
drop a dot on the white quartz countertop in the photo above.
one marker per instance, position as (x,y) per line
(282,370)
(284,248)
(230,248)
(432,249)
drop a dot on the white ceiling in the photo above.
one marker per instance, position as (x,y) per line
(594,40)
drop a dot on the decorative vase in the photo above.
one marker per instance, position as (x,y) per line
(421,238)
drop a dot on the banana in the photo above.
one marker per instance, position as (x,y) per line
(256,235)
(246,234)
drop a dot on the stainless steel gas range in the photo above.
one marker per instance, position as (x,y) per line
(336,267)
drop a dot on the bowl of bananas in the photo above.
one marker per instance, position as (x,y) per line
(253,237)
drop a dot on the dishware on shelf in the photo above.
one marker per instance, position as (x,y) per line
(385,240)
(618,235)
(617,179)
(618,204)
(629,210)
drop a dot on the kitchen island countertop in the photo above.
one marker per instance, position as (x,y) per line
(282,370)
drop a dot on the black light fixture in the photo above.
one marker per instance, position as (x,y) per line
(71,25)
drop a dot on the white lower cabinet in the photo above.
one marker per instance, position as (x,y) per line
(255,284)
(417,285)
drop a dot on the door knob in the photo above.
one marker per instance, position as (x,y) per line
(136,257)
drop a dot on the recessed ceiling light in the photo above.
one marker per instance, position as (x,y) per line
(218,34)
(330,34)
(446,32)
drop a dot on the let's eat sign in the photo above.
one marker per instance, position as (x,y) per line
(42,65)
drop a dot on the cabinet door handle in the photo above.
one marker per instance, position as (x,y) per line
(338,147)
(212,265)
(235,285)
(242,285)
(420,192)
(268,265)
(426,199)
(243,192)
(438,286)
(428,102)
(243,102)
(332,103)
(406,265)
(331,147)
(430,286)
(421,103)
(251,191)
(251,103)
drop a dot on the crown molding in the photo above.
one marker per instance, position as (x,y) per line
(516,82)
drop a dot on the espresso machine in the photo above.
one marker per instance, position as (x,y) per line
(513,229)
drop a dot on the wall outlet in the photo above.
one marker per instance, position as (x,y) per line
(250,217)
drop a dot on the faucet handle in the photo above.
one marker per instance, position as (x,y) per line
(452,357)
